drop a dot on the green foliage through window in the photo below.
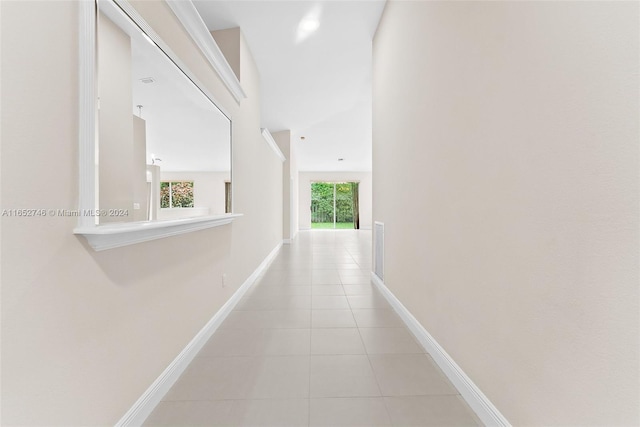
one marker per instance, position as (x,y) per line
(344,203)
(321,202)
(322,206)
(176,194)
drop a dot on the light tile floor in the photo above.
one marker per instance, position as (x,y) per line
(314,343)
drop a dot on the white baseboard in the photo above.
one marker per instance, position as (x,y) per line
(480,404)
(143,407)
(286,241)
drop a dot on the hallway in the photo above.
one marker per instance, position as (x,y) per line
(314,343)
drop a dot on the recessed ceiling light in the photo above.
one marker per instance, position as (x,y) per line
(147,80)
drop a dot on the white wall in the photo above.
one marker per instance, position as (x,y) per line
(304,191)
(228,41)
(85,333)
(289,184)
(283,141)
(505,148)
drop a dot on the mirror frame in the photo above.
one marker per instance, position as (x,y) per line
(101,237)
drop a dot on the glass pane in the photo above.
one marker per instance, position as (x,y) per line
(344,206)
(165,195)
(321,205)
(182,194)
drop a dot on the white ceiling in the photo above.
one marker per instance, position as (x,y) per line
(318,86)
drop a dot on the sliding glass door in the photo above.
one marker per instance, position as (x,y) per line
(332,205)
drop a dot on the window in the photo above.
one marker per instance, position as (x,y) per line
(335,205)
(176,194)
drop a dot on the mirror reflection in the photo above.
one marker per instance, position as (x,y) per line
(164,148)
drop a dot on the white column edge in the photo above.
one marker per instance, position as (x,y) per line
(87,101)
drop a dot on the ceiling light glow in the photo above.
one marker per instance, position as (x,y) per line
(309,25)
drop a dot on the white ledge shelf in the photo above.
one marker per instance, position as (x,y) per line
(101,237)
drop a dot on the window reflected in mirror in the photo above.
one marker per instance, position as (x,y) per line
(163,147)
(176,194)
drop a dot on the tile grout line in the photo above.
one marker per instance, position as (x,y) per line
(384,402)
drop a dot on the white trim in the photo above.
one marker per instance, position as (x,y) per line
(272,143)
(87,106)
(286,241)
(111,236)
(192,22)
(480,404)
(143,407)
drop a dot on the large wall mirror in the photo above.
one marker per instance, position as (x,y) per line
(162,147)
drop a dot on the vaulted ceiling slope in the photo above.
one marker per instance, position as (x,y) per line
(315,81)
